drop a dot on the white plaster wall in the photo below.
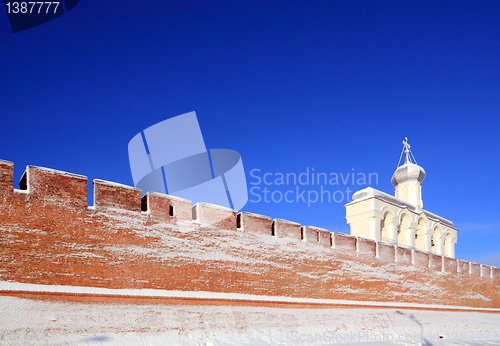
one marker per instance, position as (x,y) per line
(379,220)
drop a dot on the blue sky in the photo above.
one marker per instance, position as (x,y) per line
(290,85)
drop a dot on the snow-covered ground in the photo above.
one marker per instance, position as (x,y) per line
(35,322)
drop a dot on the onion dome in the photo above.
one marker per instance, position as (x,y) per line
(409,170)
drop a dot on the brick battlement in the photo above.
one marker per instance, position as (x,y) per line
(49,235)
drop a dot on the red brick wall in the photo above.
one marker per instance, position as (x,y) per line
(463,267)
(287,229)
(450,265)
(475,269)
(421,259)
(109,195)
(344,242)
(366,248)
(216,216)
(403,255)
(254,223)
(165,208)
(48,235)
(386,252)
(485,271)
(495,274)
(6,176)
(310,234)
(315,235)
(436,262)
(325,237)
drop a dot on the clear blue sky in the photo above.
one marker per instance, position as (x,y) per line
(290,85)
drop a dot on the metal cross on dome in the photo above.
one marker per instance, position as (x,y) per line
(406,148)
(407,151)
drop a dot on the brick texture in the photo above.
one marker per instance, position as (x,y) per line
(55,186)
(6,177)
(463,267)
(325,238)
(403,255)
(366,248)
(421,259)
(166,208)
(475,270)
(450,265)
(215,216)
(287,229)
(254,223)
(317,235)
(386,252)
(344,242)
(117,196)
(495,274)
(48,235)
(310,234)
(436,262)
(485,271)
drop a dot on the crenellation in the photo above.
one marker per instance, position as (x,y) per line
(167,208)
(310,234)
(463,267)
(108,194)
(386,252)
(403,255)
(366,248)
(420,258)
(485,271)
(207,214)
(325,237)
(316,235)
(43,219)
(344,242)
(475,270)
(255,223)
(495,274)
(287,229)
(6,177)
(6,163)
(436,262)
(55,186)
(450,265)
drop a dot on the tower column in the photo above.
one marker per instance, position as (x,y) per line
(410,235)
(393,232)
(375,230)
(438,247)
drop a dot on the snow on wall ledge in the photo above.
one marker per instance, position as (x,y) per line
(49,235)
